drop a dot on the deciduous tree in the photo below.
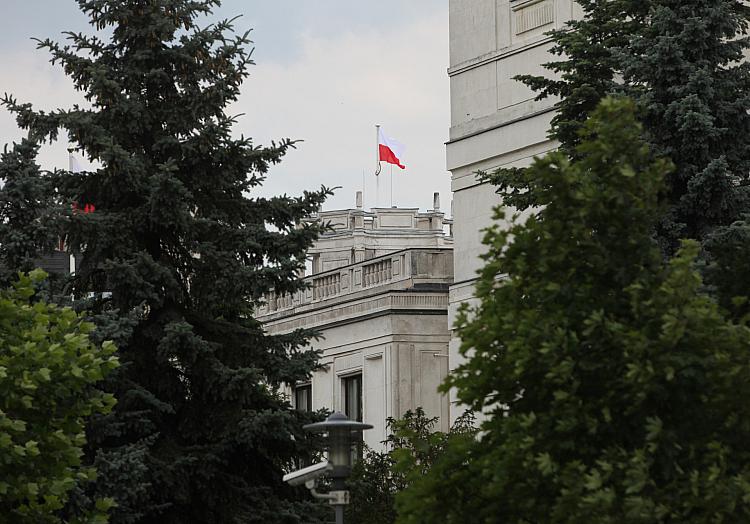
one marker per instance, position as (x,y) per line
(412,448)
(48,372)
(614,388)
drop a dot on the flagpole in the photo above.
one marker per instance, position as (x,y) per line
(377,190)
(377,149)
(377,164)
(391,166)
(71,256)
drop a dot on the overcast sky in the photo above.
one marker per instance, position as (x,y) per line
(327,71)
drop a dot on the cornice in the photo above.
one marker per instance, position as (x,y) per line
(411,303)
(495,56)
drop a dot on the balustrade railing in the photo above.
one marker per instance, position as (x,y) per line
(377,273)
(356,277)
(284,301)
(326,286)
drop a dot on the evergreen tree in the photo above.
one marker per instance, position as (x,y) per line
(588,67)
(28,212)
(686,68)
(682,62)
(727,270)
(614,388)
(176,256)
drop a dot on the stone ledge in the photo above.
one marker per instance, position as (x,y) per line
(390,303)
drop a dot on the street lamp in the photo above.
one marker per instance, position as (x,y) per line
(343,434)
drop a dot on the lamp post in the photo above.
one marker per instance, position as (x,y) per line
(342,435)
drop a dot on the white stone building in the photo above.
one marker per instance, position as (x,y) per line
(378,295)
(495,121)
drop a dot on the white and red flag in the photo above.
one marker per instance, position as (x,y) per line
(390,150)
(74,166)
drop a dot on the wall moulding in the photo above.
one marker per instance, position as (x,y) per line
(385,304)
(498,55)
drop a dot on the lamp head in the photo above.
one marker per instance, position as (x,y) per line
(342,434)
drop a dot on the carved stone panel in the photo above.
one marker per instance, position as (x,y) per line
(348,363)
(533,16)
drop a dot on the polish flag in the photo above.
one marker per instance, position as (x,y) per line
(390,151)
(74,166)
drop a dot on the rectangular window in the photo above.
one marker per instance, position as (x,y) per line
(353,409)
(303,398)
(353,397)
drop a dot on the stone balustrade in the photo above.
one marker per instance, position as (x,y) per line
(399,269)
(326,286)
(377,272)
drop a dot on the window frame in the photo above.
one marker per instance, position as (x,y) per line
(346,380)
(298,389)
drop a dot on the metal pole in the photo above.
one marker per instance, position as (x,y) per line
(339,484)
(391,166)
(377,164)
(377,149)
(377,190)
(71,256)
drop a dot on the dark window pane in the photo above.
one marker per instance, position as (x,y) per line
(303,398)
(353,397)
(353,408)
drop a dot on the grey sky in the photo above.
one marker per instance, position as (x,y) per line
(327,71)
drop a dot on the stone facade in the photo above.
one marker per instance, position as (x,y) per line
(378,296)
(495,121)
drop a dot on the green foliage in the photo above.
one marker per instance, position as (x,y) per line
(687,70)
(28,213)
(48,368)
(176,257)
(682,61)
(614,388)
(727,269)
(413,447)
(373,486)
(589,63)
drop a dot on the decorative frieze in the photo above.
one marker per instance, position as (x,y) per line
(532,16)
(348,362)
